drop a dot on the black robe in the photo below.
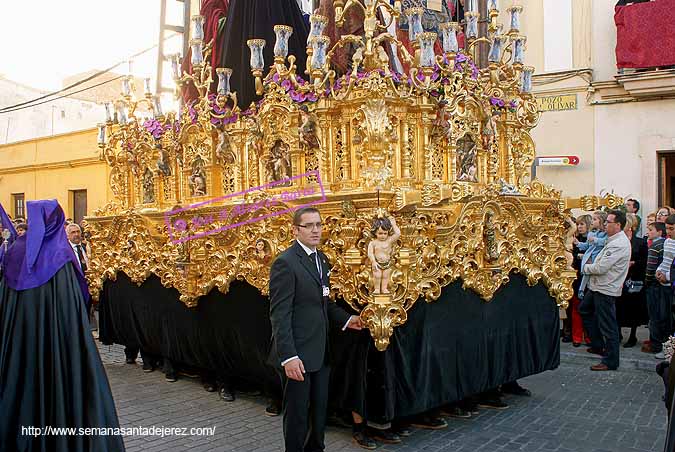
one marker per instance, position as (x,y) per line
(249,19)
(50,371)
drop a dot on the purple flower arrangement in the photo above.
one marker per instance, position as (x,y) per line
(298,96)
(501,104)
(229,117)
(157,129)
(462,59)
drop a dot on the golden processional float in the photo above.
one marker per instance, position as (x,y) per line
(439,158)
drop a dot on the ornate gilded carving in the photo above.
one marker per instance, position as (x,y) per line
(446,150)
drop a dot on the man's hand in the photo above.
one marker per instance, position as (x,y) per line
(355,323)
(295,369)
(660,277)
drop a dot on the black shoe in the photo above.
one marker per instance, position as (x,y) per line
(148,367)
(515,389)
(631,342)
(210,387)
(494,404)
(273,408)
(470,406)
(402,430)
(362,440)
(336,420)
(576,344)
(455,411)
(131,361)
(249,392)
(567,339)
(429,423)
(171,378)
(226,394)
(386,436)
(596,351)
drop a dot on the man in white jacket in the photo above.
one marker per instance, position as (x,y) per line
(607,274)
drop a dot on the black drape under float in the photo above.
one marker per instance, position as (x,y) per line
(448,349)
(50,370)
(249,19)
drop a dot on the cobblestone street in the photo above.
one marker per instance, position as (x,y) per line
(572,409)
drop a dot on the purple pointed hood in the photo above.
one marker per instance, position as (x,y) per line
(43,250)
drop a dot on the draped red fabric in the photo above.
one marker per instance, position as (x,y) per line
(213,11)
(645,35)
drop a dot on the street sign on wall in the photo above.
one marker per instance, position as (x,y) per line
(557,103)
(557,160)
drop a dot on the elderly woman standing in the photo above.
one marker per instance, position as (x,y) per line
(631,306)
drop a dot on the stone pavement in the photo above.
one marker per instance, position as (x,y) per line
(572,410)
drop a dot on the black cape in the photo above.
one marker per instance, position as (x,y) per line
(249,19)
(50,370)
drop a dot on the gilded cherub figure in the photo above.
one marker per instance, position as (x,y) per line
(385,233)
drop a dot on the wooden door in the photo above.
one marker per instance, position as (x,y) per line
(79,205)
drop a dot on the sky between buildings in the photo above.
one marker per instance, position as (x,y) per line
(45,40)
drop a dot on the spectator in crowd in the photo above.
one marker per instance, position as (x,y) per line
(633,206)
(75,238)
(657,294)
(631,307)
(577,325)
(663,213)
(594,243)
(21,229)
(606,276)
(651,218)
(664,277)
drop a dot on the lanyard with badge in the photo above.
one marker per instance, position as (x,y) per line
(325,289)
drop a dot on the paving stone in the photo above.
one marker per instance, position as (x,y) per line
(571,410)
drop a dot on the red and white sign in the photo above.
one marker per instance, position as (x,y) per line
(558,160)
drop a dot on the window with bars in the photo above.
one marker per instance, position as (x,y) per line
(19,205)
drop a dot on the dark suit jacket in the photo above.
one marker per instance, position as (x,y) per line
(299,313)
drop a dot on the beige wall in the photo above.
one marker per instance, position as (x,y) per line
(627,139)
(49,168)
(567,133)
(616,135)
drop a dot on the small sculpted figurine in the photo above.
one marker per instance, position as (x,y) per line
(163,165)
(223,148)
(261,252)
(441,128)
(148,188)
(308,130)
(490,237)
(381,250)
(489,135)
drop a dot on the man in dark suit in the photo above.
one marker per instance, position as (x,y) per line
(301,311)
